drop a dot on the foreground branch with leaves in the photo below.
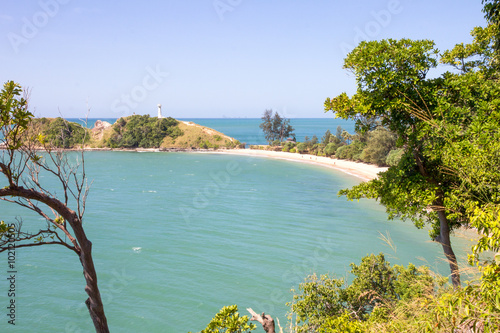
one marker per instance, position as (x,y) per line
(25,157)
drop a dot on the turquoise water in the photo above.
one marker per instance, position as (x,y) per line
(176,236)
(247,129)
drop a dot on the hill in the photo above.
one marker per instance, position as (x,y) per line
(133,132)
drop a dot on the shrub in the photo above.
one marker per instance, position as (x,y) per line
(350,152)
(301,147)
(330,149)
(327,304)
(62,133)
(394,157)
(143,131)
(379,143)
(228,320)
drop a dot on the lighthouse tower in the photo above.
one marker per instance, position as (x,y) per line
(159,112)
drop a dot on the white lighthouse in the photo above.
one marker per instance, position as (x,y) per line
(159,112)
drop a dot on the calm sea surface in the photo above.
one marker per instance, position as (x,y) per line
(177,236)
(247,129)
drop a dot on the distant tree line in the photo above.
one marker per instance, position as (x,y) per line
(376,146)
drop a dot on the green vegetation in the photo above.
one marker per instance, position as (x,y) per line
(130,132)
(275,128)
(383,298)
(326,304)
(441,138)
(371,147)
(61,133)
(142,132)
(26,153)
(228,320)
(441,127)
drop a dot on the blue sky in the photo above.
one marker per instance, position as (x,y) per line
(205,58)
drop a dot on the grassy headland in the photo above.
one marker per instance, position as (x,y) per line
(130,133)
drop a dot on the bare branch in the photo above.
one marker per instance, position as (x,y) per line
(266,320)
(2,249)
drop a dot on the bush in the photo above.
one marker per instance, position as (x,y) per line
(350,152)
(379,143)
(394,157)
(331,148)
(228,320)
(143,131)
(62,133)
(301,147)
(329,305)
(276,143)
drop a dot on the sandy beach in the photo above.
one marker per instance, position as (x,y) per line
(361,170)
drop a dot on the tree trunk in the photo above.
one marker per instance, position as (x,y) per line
(444,240)
(83,248)
(94,302)
(444,233)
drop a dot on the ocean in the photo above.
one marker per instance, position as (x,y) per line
(247,130)
(177,236)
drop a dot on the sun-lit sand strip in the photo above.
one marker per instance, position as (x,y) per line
(361,170)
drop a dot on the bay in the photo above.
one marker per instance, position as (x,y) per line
(177,236)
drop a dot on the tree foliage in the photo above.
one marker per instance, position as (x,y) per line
(378,145)
(61,133)
(142,131)
(326,304)
(228,320)
(393,89)
(275,127)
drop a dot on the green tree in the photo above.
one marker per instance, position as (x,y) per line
(301,147)
(142,131)
(346,137)
(394,90)
(339,132)
(326,304)
(326,138)
(21,163)
(275,127)
(351,152)
(378,145)
(228,320)
(331,148)
(472,144)
(61,133)
(394,157)
(492,14)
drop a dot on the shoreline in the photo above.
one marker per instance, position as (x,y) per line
(360,170)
